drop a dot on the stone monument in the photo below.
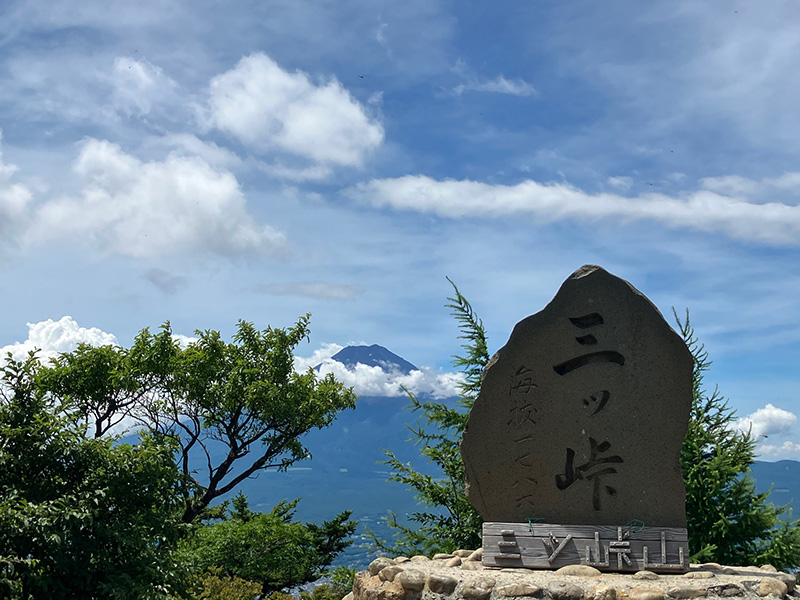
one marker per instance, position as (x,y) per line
(572,448)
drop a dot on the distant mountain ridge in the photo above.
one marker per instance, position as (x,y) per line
(372,356)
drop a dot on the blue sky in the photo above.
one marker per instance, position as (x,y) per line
(202,162)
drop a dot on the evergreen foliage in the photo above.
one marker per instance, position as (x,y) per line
(268,548)
(728,521)
(455,523)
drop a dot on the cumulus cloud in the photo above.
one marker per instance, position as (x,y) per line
(148,209)
(379,381)
(769,420)
(188,145)
(773,223)
(51,338)
(787,450)
(138,84)
(15,199)
(312,289)
(268,108)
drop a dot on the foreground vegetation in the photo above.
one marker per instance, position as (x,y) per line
(83,515)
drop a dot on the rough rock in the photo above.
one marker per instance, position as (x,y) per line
(476,555)
(772,586)
(588,399)
(441,584)
(390,572)
(642,593)
(602,592)
(431,580)
(453,562)
(578,571)
(726,590)
(378,564)
(519,589)
(480,588)
(563,590)
(698,575)
(683,592)
(412,579)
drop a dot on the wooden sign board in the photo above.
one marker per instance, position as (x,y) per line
(607,548)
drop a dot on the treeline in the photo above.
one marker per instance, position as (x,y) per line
(83,515)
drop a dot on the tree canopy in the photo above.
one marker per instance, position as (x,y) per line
(269,548)
(232,408)
(84,515)
(80,517)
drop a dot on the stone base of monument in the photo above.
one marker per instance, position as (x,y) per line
(607,548)
(462,576)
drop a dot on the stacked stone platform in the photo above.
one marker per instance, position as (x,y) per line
(461,575)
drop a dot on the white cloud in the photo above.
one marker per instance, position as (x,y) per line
(769,420)
(147,209)
(14,200)
(52,338)
(138,84)
(621,182)
(321,354)
(769,222)
(312,289)
(499,85)
(786,187)
(312,173)
(376,381)
(271,109)
(188,145)
(787,450)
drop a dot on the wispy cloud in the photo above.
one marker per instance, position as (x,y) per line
(312,289)
(771,223)
(498,85)
(15,200)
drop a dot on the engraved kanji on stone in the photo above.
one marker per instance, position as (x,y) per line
(572,473)
(589,358)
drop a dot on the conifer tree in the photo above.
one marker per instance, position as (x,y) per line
(452,523)
(728,521)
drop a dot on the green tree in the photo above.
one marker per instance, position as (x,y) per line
(728,521)
(455,524)
(81,518)
(269,548)
(233,409)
